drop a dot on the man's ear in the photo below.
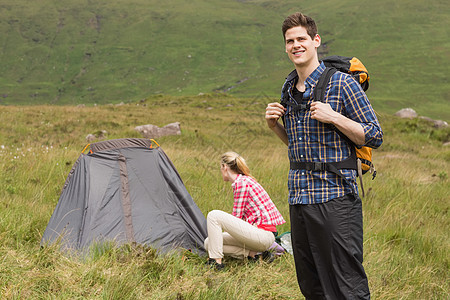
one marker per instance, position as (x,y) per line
(317,41)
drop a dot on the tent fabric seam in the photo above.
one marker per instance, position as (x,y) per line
(126,202)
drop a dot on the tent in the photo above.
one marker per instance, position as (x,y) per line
(126,191)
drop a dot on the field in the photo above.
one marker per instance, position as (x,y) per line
(406,209)
(73,68)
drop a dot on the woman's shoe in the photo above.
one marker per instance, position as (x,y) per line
(254,259)
(268,256)
(214,264)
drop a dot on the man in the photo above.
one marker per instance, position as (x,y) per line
(325,209)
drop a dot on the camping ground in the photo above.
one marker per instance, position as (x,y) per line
(406,208)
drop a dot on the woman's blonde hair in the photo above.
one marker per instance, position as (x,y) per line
(236,163)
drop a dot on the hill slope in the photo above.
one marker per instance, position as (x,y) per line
(68,52)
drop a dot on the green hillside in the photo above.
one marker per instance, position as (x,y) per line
(70,52)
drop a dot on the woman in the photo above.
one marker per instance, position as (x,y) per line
(251,228)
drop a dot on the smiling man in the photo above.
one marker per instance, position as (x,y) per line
(325,209)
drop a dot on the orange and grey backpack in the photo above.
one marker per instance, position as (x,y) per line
(360,159)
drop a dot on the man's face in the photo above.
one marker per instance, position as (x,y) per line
(224,171)
(301,49)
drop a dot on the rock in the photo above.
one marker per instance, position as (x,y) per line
(90,138)
(409,113)
(150,131)
(437,123)
(440,124)
(426,119)
(406,113)
(101,134)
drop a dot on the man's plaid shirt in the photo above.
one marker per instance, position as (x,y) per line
(253,204)
(311,140)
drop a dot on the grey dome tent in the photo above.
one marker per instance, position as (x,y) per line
(126,191)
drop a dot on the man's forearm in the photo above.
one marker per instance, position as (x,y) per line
(323,112)
(280,132)
(353,130)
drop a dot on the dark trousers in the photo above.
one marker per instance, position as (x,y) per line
(327,241)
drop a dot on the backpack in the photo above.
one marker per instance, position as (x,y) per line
(360,159)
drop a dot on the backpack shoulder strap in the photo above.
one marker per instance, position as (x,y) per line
(351,161)
(319,95)
(321,86)
(285,90)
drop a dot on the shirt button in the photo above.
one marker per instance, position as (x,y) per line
(303,173)
(300,139)
(301,156)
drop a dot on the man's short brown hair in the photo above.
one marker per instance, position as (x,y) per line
(299,19)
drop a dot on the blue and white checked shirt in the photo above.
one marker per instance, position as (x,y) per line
(311,140)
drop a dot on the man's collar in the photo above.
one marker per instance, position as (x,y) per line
(313,78)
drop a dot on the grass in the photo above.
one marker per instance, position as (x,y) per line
(406,208)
